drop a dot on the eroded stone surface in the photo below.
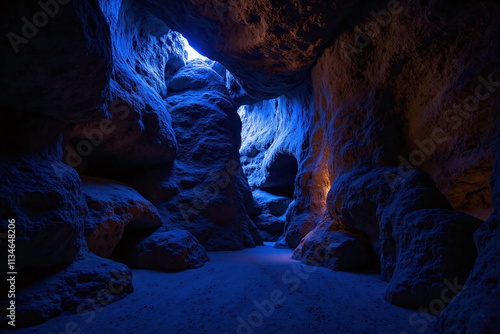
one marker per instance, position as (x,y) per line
(114,207)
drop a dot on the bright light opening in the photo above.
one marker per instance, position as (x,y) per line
(192,53)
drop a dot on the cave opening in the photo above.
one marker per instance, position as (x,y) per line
(190,51)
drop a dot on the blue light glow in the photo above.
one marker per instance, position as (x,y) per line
(192,53)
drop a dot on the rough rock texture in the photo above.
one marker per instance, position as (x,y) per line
(40,63)
(421,241)
(388,101)
(282,125)
(87,285)
(95,73)
(269,223)
(174,250)
(275,205)
(134,129)
(327,246)
(269,46)
(114,207)
(43,196)
(475,307)
(389,107)
(434,246)
(203,191)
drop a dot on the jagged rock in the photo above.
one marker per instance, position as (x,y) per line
(114,207)
(203,191)
(327,246)
(174,250)
(87,285)
(274,204)
(43,196)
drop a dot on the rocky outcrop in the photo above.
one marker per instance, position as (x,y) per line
(40,200)
(269,47)
(174,250)
(87,285)
(135,129)
(328,246)
(477,301)
(114,208)
(203,191)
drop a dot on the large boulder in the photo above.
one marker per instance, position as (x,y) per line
(328,246)
(174,250)
(275,205)
(114,207)
(87,285)
(476,305)
(422,243)
(40,200)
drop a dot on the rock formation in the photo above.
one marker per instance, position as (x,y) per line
(361,134)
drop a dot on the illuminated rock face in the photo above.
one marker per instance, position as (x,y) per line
(397,102)
(268,46)
(204,190)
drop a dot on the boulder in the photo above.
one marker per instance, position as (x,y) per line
(269,223)
(476,305)
(83,287)
(40,199)
(174,250)
(114,207)
(276,205)
(327,246)
(434,250)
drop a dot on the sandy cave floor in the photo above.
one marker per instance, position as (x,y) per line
(212,298)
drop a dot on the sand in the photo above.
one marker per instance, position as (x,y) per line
(259,290)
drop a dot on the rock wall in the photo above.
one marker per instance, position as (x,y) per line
(392,99)
(378,118)
(86,96)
